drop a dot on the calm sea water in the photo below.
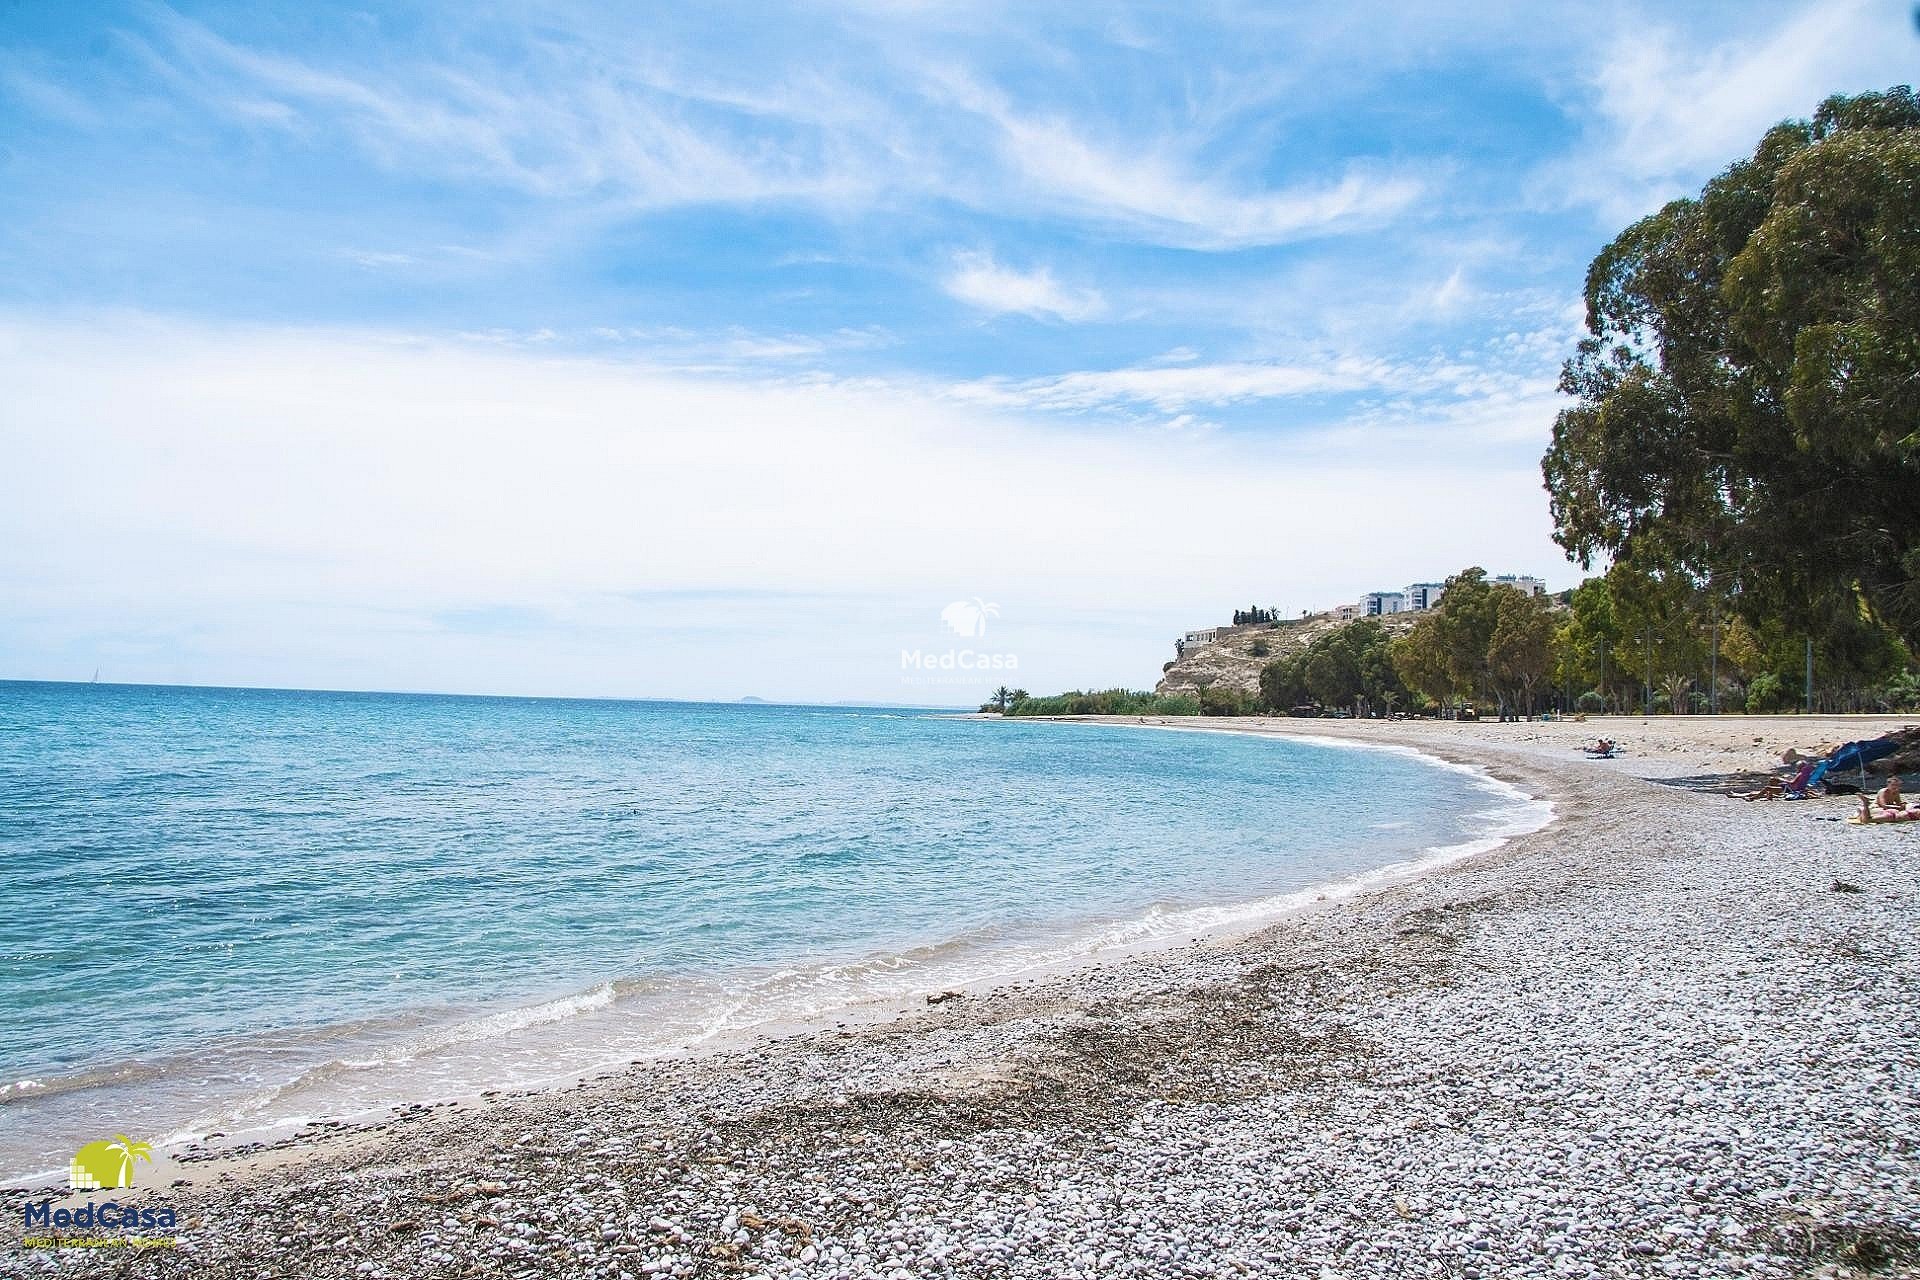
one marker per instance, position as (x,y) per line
(244,907)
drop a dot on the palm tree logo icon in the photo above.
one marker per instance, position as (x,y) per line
(969,617)
(103,1164)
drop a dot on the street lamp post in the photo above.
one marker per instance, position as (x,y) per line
(1713,691)
(1809,675)
(1647,684)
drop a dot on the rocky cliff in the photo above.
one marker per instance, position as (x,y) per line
(1231,663)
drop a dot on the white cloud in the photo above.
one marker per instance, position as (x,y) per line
(379,259)
(577,124)
(606,121)
(1667,113)
(42,95)
(979,281)
(321,508)
(1499,369)
(1177,388)
(1151,187)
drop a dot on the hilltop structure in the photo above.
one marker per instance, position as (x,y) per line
(1230,657)
(1416,597)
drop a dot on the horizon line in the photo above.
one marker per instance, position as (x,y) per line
(743,700)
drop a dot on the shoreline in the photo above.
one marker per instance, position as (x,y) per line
(1360,1088)
(246,1124)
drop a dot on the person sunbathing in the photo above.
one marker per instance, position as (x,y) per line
(1774,788)
(1602,747)
(1869,805)
(1889,805)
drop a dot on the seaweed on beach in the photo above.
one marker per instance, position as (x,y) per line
(1868,1248)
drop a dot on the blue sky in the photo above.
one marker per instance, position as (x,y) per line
(707,351)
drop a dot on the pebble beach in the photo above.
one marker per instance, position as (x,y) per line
(1673,1033)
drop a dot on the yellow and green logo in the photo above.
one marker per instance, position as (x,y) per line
(103,1164)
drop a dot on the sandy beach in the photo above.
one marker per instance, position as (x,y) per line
(1671,1034)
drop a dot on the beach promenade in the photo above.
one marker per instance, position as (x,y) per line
(1671,1034)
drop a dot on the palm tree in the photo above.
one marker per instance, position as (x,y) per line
(1674,686)
(129,1152)
(1003,698)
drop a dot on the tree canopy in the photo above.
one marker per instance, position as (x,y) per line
(1346,666)
(1748,397)
(1485,640)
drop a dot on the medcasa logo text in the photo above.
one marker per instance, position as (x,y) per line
(101,1166)
(959,665)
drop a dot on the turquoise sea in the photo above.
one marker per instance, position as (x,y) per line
(239,908)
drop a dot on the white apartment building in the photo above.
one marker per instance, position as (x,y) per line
(1421,596)
(1417,598)
(1531,585)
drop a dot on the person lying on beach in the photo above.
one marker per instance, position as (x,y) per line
(1602,747)
(1774,788)
(1888,805)
(1870,811)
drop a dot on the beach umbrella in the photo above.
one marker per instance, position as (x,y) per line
(1858,754)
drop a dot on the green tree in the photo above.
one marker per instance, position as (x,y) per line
(1766,692)
(1748,394)
(1468,614)
(1902,692)
(1420,660)
(1345,666)
(1664,620)
(1585,641)
(1520,651)
(1282,684)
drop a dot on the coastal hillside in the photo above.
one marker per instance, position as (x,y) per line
(1234,659)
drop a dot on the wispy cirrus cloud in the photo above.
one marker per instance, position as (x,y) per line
(1153,187)
(1175,389)
(1664,110)
(572,121)
(979,281)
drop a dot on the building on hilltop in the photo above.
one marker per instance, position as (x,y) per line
(1421,596)
(1418,597)
(1194,640)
